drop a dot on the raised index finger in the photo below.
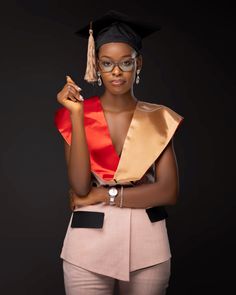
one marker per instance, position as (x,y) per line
(72,83)
(69,80)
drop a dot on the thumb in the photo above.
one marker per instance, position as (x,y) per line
(69,80)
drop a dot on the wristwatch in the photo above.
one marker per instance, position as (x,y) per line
(112,192)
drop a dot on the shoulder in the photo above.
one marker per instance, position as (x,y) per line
(62,118)
(160,109)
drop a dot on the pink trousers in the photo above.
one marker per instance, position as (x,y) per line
(151,280)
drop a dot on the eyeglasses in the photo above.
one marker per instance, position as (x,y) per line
(126,65)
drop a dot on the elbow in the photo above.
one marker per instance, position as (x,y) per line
(81,187)
(173,198)
(172,201)
(82,191)
(173,193)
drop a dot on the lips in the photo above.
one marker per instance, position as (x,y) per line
(117,82)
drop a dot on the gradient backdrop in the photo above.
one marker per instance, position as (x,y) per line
(189,66)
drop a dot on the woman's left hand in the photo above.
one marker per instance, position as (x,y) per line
(96,195)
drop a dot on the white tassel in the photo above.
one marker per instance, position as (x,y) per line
(90,74)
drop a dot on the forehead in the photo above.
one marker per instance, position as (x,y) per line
(116,50)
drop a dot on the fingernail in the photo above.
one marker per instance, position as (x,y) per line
(81,97)
(78,88)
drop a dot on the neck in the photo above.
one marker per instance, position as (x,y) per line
(118,102)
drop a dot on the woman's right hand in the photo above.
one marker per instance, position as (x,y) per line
(70,96)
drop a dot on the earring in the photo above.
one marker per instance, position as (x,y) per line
(99,79)
(138,78)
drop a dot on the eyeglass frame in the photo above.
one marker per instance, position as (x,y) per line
(117,64)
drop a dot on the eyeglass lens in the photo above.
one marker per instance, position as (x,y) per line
(124,65)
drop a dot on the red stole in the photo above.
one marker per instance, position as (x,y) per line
(103,156)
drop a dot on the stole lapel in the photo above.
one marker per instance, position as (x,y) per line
(152,128)
(103,157)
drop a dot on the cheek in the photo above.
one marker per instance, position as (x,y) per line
(131,77)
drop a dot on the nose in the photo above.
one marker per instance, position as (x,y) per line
(116,71)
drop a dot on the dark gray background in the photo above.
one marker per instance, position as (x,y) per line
(189,66)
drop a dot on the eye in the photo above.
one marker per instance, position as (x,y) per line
(106,63)
(127,62)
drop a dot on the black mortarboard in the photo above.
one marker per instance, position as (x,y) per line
(113,26)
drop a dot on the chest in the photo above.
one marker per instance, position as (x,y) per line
(118,125)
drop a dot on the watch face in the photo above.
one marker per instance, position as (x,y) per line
(113,191)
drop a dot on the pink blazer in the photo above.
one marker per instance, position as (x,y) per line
(127,239)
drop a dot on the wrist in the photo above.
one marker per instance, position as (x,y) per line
(109,197)
(117,199)
(76,115)
(103,195)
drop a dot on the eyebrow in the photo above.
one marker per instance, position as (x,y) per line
(127,55)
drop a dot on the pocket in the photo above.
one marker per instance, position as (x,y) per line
(87,219)
(156,213)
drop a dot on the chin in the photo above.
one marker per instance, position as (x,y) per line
(118,90)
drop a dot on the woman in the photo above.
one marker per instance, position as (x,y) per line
(122,170)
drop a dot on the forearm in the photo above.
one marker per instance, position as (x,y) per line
(79,168)
(141,196)
(148,195)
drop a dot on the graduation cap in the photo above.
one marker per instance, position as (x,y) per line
(113,26)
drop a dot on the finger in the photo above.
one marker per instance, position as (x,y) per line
(75,94)
(72,90)
(81,203)
(75,98)
(72,204)
(76,87)
(71,97)
(78,201)
(69,80)
(72,207)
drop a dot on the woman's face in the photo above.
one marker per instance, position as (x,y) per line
(118,52)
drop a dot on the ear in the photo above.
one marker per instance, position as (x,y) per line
(139,62)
